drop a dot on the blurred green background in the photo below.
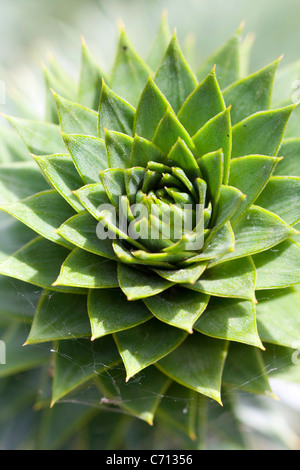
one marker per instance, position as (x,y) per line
(30,30)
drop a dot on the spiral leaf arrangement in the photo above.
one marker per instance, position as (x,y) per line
(189,314)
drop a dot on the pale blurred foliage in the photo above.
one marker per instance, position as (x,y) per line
(30,30)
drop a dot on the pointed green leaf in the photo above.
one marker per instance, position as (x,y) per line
(174,77)
(78,361)
(82,269)
(150,110)
(76,119)
(179,307)
(88,154)
(286,203)
(110,311)
(53,321)
(113,181)
(41,138)
(146,344)
(138,284)
(278,267)
(249,135)
(143,152)
(62,174)
(19,180)
(211,166)
(56,78)
(197,364)
(278,316)
(115,114)
(258,230)
(245,369)
(90,81)
(129,73)
(182,157)
(181,276)
(92,196)
(203,104)
(38,262)
(20,359)
(216,135)
(250,174)
(81,231)
(139,398)
(289,165)
(221,243)
(118,149)
(44,213)
(230,319)
(227,61)
(251,94)
(168,131)
(234,279)
(230,200)
(160,43)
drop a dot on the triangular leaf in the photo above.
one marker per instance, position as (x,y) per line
(174,77)
(76,119)
(146,344)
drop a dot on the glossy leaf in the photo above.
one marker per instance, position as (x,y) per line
(38,262)
(76,119)
(150,110)
(286,203)
(205,102)
(88,154)
(289,165)
(216,135)
(129,73)
(81,231)
(110,311)
(115,114)
(251,94)
(168,131)
(41,138)
(278,267)
(178,307)
(197,364)
(234,279)
(52,320)
(82,269)
(62,174)
(143,152)
(44,213)
(256,231)
(92,196)
(138,284)
(230,319)
(250,175)
(249,135)
(146,344)
(118,149)
(278,316)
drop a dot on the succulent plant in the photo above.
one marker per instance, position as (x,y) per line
(130,310)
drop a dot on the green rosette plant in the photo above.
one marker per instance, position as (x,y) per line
(126,320)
